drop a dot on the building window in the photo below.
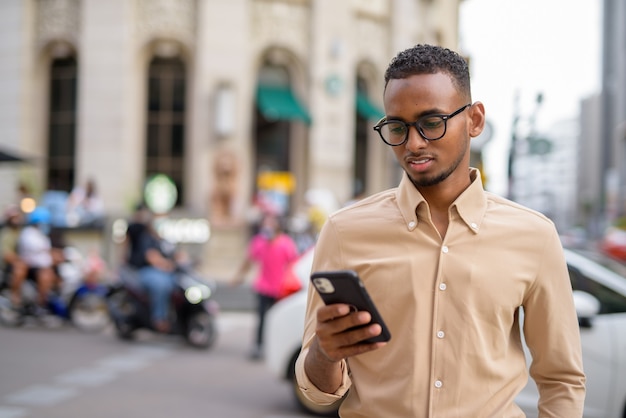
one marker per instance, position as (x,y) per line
(62,124)
(359,175)
(272,132)
(165,146)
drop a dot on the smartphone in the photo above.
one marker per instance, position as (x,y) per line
(345,286)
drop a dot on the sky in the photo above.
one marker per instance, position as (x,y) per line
(526,47)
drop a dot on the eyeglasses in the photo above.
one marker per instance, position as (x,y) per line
(430,127)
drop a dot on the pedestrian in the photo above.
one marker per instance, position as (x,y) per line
(451,269)
(272,251)
(85,207)
(94,268)
(55,199)
(24,198)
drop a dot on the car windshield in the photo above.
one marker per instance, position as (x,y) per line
(601,277)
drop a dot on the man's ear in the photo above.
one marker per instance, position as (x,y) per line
(477,118)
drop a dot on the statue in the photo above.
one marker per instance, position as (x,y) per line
(226,175)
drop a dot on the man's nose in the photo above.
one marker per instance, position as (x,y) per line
(415,140)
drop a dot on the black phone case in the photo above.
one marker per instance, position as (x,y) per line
(347,287)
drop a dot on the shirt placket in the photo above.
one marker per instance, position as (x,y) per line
(439,337)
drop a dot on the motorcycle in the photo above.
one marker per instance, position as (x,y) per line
(193,311)
(82,304)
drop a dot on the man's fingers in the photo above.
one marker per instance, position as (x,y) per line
(330,312)
(341,310)
(341,331)
(348,344)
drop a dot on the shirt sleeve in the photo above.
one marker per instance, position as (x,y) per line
(311,391)
(553,337)
(327,254)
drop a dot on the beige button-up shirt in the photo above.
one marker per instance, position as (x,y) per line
(452,306)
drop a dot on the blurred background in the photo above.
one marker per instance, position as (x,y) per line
(211,111)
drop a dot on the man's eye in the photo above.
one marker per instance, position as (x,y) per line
(396,129)
(431,123)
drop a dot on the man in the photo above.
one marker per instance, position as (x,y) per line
(35,248)
(449,266)
(133,253)
(157,273)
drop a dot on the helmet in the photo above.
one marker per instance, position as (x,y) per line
(40,215)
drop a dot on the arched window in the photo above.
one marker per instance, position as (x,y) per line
(272,127)
(165,145)
(276,111)
(62,124)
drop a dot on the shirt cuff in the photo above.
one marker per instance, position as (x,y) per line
(311,392)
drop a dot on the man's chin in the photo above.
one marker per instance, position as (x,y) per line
(426,181)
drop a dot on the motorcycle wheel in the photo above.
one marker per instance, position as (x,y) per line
(9,317)
(201,330)
(122,307)
(89,312)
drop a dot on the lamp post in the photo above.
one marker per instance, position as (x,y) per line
(515,139)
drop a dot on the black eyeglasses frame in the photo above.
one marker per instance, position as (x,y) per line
(417,126)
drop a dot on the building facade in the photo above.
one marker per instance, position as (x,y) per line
(211,93)
(612,184)
(601,201)
(546,173)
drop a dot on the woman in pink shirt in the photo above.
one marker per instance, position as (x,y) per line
(273,251)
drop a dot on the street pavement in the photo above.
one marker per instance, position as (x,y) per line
(235,298)
(63,373)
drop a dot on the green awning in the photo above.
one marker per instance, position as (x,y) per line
(279,103)
(367,109)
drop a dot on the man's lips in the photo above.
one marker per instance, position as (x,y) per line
(419,160)
(421,163)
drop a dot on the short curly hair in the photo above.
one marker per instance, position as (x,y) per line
(430,59)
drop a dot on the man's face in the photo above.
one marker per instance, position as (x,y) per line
(429,163)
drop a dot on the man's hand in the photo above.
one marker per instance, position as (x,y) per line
(339,334)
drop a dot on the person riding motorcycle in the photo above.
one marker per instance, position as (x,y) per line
(35,248)
(160,290)
(156,273)
(132,253)
(14,269)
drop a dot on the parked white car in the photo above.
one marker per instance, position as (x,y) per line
(599,286)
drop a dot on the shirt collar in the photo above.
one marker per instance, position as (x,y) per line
(471,205)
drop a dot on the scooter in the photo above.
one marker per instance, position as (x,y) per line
(81,304)
(193,311)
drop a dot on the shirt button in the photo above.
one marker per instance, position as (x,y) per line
(440,334)
(445,249)
(473,225)
(442,286)
(412,224)
(438,383)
